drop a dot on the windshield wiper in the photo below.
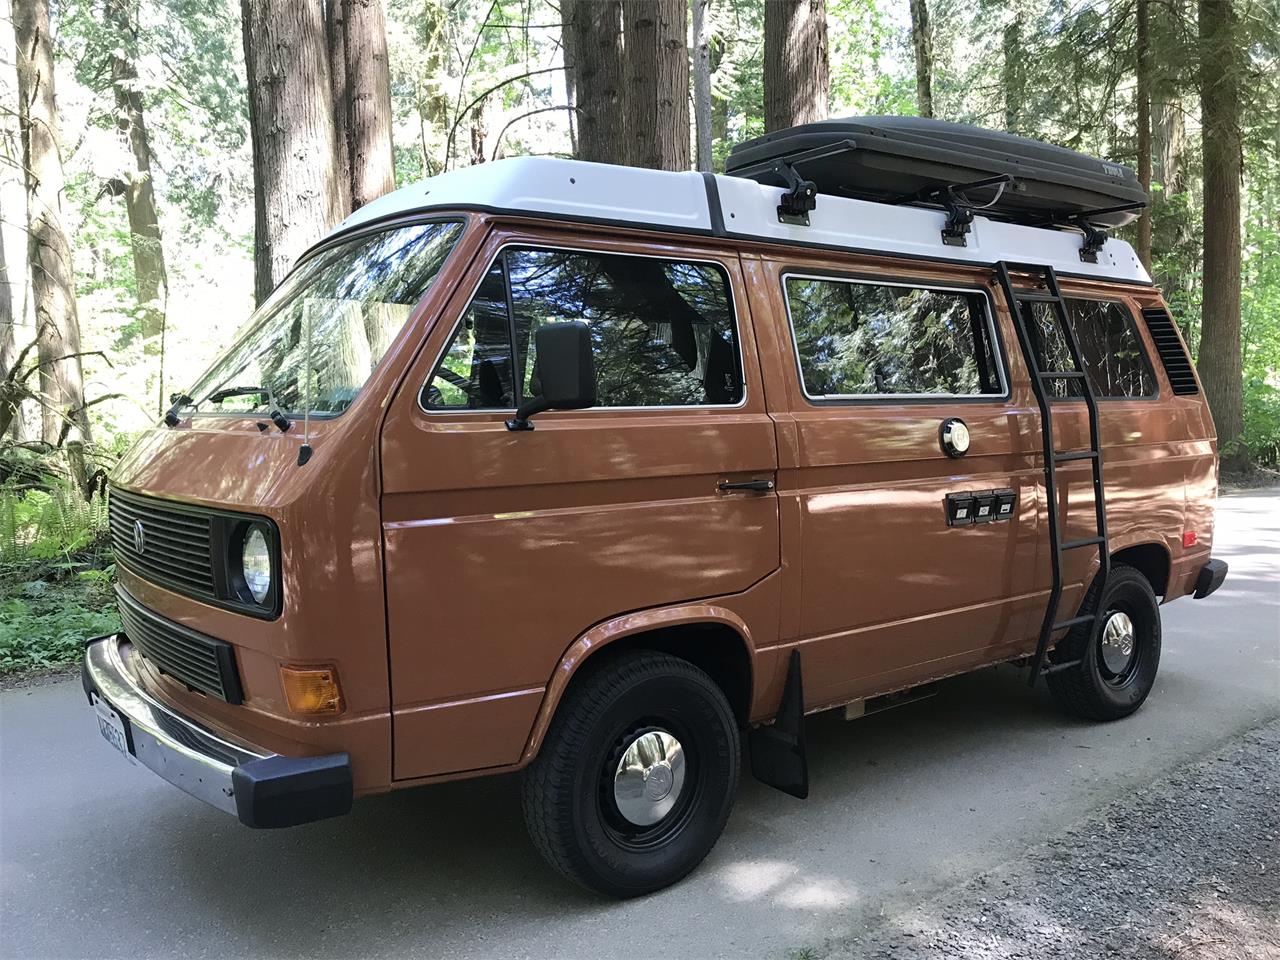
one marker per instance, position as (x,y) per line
(277,415)
(178,401)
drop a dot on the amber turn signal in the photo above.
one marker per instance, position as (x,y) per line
(312,690)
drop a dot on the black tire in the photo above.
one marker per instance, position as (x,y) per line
(1097,689)
(569,798)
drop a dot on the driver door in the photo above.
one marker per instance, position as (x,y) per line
(502,547)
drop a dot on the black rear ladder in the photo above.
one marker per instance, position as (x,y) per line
(1052,295)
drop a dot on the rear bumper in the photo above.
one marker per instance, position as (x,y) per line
(261,788)
(1210,578)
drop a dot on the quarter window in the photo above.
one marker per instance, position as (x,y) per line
(476,372)
(1109,346)
(662,331)
(856,339)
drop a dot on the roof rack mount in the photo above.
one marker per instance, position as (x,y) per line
(1094,236)
(959,208)
(801,195)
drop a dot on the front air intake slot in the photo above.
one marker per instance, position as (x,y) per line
(201,663)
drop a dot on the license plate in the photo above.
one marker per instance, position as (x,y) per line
(112,726)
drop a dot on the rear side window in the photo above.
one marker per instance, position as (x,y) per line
(863,339)
(1109,346)
(663,331)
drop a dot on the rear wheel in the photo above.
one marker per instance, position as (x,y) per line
(636,779)
(1118,658)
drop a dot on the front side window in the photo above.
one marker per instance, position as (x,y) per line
(316,340)
(1109,346)
(476,372)
(663,331)
(861,339)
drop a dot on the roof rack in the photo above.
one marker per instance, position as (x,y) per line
(800,198)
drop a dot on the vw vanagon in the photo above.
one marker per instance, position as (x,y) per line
(612,475)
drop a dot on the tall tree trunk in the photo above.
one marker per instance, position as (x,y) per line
(656,84)
(10,398)
(572,60)
(297,194)
(640,81)
(594,59)
(1170,136)
(139,193)
(672,138)
(361,80)
(922,40)
(702,83)
(1142,73)
(48,251)
(797,76)
(1014,74)
(1220,360)
(719,105)
(479,134)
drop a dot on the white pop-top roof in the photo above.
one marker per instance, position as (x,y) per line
(575,189)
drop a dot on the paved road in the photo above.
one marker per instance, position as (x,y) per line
(97,857)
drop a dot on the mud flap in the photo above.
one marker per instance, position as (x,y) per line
(778,755)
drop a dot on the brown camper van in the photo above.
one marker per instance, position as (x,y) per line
(611,475)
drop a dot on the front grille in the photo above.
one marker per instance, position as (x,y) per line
(175,542)
(200,662)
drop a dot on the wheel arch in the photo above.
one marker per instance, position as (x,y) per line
(1151,559)
(709,636)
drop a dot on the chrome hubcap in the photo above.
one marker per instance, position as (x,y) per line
(649,778)
(1117,642)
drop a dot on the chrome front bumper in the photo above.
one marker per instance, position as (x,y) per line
(261,788)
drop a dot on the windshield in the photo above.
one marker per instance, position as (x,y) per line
(318,337)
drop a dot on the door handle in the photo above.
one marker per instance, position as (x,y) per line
(730,486)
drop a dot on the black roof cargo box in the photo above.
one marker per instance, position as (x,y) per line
(903,159)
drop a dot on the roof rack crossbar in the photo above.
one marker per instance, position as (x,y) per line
(935,194)
(1059,219)
(1094,236)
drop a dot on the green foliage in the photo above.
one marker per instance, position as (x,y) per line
(55,575)
(40,526)
(44,622)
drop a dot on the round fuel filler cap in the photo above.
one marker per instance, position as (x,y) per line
(954,437)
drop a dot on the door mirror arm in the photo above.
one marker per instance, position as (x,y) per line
(566,369)
(526,410)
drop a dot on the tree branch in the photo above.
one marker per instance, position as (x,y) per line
(453,129)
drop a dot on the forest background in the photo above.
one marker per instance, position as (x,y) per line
(163,162)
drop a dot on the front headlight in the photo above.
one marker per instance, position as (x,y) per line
(255,563)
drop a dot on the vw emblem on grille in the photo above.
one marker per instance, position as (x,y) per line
(139,537)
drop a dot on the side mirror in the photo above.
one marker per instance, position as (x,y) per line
(566,369)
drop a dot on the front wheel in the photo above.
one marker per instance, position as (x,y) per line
(1116,660)
(635,781)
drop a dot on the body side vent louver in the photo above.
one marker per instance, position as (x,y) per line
(1177,365)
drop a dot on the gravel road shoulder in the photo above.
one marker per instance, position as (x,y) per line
(1187,868)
